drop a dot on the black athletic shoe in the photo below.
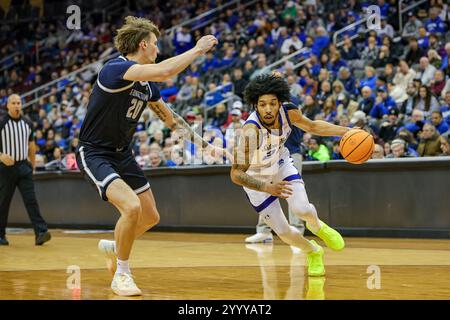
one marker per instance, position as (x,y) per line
(3,241)
(42,238)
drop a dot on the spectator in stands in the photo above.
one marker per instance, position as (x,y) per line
(434,58)
(407,106)
(329,110)
(403,78)
(438,122)
(169,93)
(438,83)
(321,41)
(445,145)
(385,28)
(220,116)
(348,80)
(317,150)
(434,23)
(228,59)
(426,101)
(413,52)
(370,52)
(182,41)
(291,44)
(445,108)
(237,123)
(423,40)
(260,67)
(411,141)
(426,71)
(310,108)
(325,92)
(295,89)
(383,103)
(156,159)
(210,63)
(399,149)
(389,127)
(349,51)
(368,100)
(370,78)
(416,122)
(261,47)
(384,57)
(429,144)
(186,91)
(143,157)
(411,28)
(378,152)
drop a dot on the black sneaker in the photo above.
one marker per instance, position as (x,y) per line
(3,241)
(42,238)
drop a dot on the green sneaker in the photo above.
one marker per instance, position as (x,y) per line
(331,237)
(314,259)
(315,288)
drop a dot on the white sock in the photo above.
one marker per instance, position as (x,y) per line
(123,266)
(316,248)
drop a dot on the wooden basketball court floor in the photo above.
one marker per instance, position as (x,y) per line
(186,266)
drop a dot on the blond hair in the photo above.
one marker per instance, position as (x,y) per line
(132,33)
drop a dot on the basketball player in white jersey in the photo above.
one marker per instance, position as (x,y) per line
(262,165)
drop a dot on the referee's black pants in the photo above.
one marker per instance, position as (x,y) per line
(19,175)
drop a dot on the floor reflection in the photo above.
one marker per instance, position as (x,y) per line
(300,286)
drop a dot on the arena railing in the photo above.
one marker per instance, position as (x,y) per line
(6,64)
(71,76)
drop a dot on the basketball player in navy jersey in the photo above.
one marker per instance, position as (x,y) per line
(123,89)
(263,166)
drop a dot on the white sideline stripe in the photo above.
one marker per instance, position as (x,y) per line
(114,90)
(142,189)
(122,57)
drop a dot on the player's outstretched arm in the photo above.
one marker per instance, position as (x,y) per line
(243,154)
(316,127)
(171,67)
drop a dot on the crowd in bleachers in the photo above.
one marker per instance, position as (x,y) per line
(394,83)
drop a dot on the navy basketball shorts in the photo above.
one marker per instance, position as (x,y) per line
(101,167)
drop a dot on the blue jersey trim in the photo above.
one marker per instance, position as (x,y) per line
(293,177)
(286,109)
(263,205)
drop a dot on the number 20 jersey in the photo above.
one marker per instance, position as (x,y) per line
(115,106)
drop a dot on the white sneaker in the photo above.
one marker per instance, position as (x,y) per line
(107,247)
(123,285)
(260,237)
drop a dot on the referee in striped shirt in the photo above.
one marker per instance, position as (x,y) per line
(16,147)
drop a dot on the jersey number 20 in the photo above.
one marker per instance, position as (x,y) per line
(136,106)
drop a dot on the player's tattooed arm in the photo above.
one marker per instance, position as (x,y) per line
(317,127)
(174,121)
(243,154)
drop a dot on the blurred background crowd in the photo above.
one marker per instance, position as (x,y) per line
(393,81)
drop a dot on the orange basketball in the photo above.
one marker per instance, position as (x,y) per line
(357,146)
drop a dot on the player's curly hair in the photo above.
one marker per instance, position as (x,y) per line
(266,84)
(132,33)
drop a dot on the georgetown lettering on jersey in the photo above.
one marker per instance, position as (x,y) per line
(139,95)
(14,137)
